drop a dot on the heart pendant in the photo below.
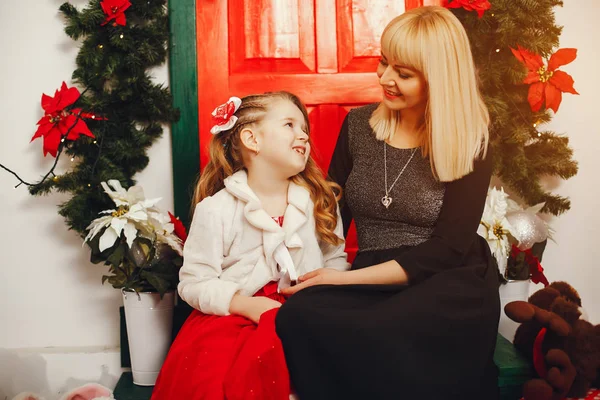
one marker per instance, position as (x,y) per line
(386,201)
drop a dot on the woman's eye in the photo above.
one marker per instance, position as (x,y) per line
(291,125)
(382,62)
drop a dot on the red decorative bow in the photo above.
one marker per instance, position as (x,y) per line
(223,113)
(536,272)
(223,117)
(179,229)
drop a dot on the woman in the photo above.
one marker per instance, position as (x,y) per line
(417,315)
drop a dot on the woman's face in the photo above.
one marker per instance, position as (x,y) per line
(403,87)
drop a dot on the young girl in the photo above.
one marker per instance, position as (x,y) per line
(264,215)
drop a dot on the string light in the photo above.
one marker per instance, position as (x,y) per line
(535,124)
(95,141)
(100,46)
(539,134)
(121,36)
(497,50)
(89,185)
(62,140)
(72,159)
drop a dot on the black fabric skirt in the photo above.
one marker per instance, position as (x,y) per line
(433,340)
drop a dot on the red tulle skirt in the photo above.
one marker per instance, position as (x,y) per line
(217,358)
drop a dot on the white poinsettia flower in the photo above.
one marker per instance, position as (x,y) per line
(512,205)
(130,218)
(129,197)
(494,226)
(163,229)
(118,221)
(135,216)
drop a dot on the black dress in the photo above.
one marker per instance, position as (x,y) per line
(431,339)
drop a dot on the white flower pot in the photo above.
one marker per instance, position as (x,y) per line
(511,291)
(149,328)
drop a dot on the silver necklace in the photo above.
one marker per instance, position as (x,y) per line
(387,200)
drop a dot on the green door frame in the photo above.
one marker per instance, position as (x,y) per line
(184,88)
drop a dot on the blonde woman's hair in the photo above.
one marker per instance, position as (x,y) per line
(454,131)
(227,157)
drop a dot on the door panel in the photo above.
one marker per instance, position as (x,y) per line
(324,51)
(360,25)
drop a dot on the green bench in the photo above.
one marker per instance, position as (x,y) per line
(514,369)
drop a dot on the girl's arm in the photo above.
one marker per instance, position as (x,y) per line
(252,307)
(199,283)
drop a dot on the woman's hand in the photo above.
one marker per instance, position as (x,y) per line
(252,307)
(321,276)
(387,273)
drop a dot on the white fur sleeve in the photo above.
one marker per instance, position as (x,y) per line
(199,283)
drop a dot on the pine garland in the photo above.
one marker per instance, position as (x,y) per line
(523,154)
(112,66)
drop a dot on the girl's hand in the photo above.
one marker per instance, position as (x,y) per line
(321,276)
(259,305)
(252,307)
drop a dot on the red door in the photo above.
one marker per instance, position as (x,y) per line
(324,51)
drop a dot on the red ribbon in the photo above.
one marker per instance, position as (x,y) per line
(536,272)
(539,363)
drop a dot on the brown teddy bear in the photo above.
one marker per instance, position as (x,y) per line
(564,349)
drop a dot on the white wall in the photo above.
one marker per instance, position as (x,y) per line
(60,326)
(575,255)
(59,322)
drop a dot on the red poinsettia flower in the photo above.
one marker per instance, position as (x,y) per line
(547,83)
(57,120)
(115,10)
(179,229)
(470,5)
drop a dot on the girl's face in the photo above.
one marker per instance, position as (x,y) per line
(403,87)
(283,139)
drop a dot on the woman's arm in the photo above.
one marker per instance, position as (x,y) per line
(335,256)
(387,273)
(455,231)
(339,170)
(456,228)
